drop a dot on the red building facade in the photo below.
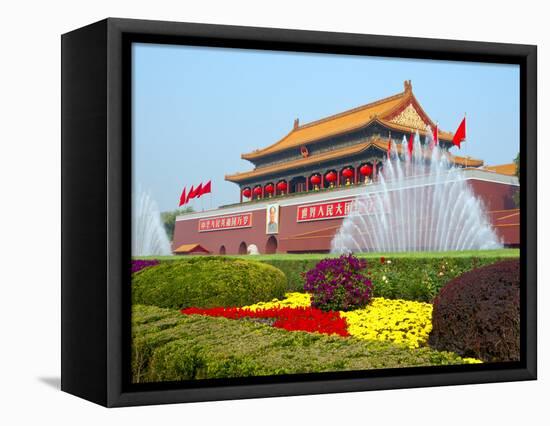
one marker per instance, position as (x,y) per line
(303,186)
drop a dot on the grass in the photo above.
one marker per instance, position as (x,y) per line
(411,254)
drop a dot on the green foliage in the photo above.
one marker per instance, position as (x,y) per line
(207,282)
(408,278)
(477,314)
(169,219)
(168,346)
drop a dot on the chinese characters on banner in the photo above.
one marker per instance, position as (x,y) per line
(241,220)
(321,211)
(330,210)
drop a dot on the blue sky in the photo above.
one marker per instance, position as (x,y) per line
(196,109)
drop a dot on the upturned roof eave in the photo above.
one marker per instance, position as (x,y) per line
(380,144)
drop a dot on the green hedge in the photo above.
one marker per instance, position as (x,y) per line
(409,278)
(207,282)
(168,346)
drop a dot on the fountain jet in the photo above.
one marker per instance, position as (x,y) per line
(148,234)
(422,203)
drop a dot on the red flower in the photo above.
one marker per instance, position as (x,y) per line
(382,259)
(291,319)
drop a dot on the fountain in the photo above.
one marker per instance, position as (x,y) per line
(148,234)
(421,203)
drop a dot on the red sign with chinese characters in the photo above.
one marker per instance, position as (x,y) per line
(221,223)
(320,211)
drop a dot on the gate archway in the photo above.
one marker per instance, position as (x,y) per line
(242,248)
(271,245)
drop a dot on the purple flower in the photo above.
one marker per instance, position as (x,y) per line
(138,265)
(338,284)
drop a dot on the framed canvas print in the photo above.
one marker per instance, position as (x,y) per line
(253,212)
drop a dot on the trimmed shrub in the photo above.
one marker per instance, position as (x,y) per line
(168,346)
(407,278)
(207,282)
(336,284)
(477,314)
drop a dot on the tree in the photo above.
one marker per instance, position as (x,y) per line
(516,194)
(169,219)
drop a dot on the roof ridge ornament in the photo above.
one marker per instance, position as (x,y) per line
(407,86)
(296,123)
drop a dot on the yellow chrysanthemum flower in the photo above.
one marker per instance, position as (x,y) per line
(400,321)
(291,300)
(472,361)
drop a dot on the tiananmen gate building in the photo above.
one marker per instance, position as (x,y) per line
(302,187)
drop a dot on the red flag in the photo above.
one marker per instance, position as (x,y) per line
(192,194)
(183,198)
(460,134)
(198,191)
(410,146)
(435,137)
(206,189)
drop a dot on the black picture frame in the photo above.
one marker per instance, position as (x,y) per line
(96,166)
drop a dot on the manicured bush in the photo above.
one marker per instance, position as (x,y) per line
(168,346)
(337,284)
(477,314)
(207,282)
(395,277)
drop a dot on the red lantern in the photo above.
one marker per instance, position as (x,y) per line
(247,192)
(347,173)
(331,177)
(315,179)
(258,191)
(269,188)
(281,186)
(366,170)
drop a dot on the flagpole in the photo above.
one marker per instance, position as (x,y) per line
(465,146)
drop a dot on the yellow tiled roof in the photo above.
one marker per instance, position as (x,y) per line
(503,169)
(383,109)
(187,248)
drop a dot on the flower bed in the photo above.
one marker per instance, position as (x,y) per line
(397,321)
(288,318)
